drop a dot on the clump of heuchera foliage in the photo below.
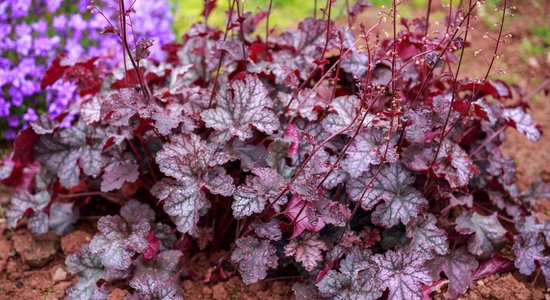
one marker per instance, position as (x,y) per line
(33,33)
(361,165)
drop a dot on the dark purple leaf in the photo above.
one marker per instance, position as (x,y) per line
(528,248)
(459,267)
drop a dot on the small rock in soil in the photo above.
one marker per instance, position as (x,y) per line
(117,294)
(35,251)
(74,241)
(59,275)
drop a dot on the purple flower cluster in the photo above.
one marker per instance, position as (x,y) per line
(33,33)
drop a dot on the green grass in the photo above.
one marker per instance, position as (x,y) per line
(284,14)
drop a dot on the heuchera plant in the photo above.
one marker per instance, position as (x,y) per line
(362,165)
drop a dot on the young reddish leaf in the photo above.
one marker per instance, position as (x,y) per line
(292,133)
(496,264)
(307,249)
(209,6)
(142,48)
(403,273)
(427,237)
(254,257)
(56,70)
(23,146)
(305,216)
(241,106)
(488,233)
(459,267)
(356,279)
(402,202)
(497,89)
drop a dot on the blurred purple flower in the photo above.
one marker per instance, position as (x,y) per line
(26,30)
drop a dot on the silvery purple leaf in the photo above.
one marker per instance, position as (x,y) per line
(24,200)
(118,173)
(355,279)
(117,241)
(254,257)
(263,186)
(345,110)
(270,230)
(62,217)
(488,236)
(241,106)
(427,237)
(89,269)
(403,273)
(183,201)
(393,186)
(38,223)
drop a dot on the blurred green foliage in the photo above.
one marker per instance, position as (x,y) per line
(284,13)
